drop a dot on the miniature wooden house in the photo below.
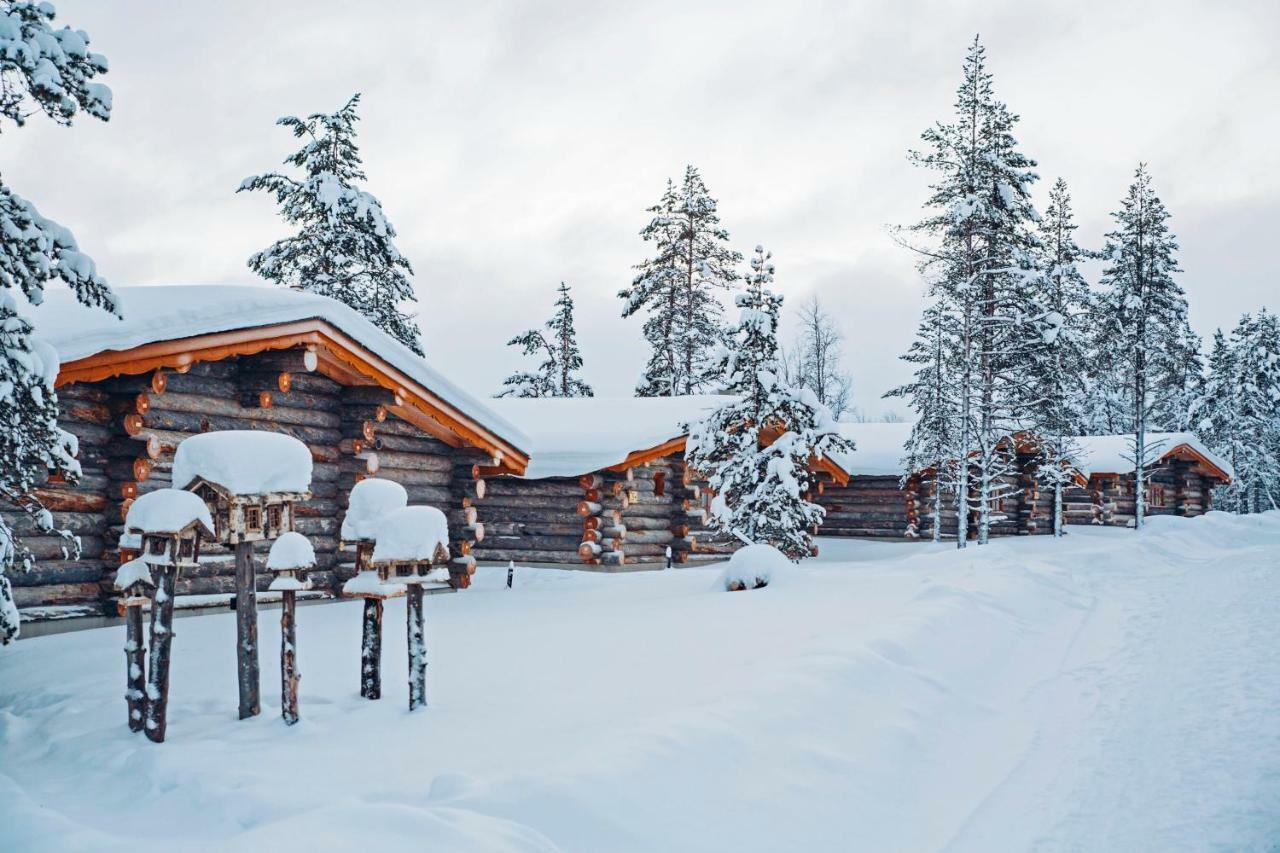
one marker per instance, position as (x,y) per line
(290,560)
(247,517)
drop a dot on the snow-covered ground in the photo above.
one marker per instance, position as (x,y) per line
(1115,691)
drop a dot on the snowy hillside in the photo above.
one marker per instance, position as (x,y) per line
(1116,691)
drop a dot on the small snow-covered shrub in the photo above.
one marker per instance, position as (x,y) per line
(753,567)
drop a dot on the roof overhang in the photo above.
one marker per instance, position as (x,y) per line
(671,446)
(1184,452)
(339,357)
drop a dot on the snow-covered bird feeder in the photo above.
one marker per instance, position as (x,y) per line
(409,541)
(290,559)
(170,524)
(251,481)
(369,502)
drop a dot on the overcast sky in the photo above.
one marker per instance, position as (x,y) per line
(516,144)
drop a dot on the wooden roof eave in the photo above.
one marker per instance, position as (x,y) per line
(641,457)
(343,356)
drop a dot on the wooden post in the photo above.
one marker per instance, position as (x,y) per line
(135,656)
(371,650)
(289,657)
(247,632)
(417,649)
(157,699)
(511,572)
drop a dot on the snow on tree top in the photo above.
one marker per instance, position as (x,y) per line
(411,533)
(370,501)
(173,311)
(167,511)
(132,572)
(879,452)
(245,462)
(570,436)
(1113,454)
(291,551)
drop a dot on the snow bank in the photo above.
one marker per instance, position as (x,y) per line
(571,436)
(245,462)
(411,533)
(134,571)
(167,511)
(291,550)
(879,449)
(752,567)
(1113,454)
(370,501)
(166,313)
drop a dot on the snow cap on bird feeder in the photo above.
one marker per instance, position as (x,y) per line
(170,523)
(409,541)
(134,580)
(290,559)
(250,480)
(371,500)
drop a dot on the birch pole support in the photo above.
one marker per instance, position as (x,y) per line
(371,650)
(157,712)
(247,632)
(135,656)
(288,657)
(417,648)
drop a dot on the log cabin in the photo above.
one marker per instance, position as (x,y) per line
(608,497)
(883,500)
(1180,478)
(188,360)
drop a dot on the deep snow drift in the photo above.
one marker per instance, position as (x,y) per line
(1114,691)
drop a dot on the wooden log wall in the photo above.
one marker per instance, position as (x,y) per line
(874,506)
(130,427)
(1109,499)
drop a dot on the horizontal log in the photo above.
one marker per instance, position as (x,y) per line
(52,595)
(61,572)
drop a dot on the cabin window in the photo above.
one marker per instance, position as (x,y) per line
(155,545)
(185,548)
(1157,497)
(273,517)
(659,484)
(253,518)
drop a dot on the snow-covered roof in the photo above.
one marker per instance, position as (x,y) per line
(291,550)
(370,500)
(132,572)
(244,462)
(570,436)
(878,449)
(167,511)
(1113,454)
(411,533)
(171,312)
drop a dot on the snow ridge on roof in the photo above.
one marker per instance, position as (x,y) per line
(244,462)
(878,449)
(171,312)
(571,436)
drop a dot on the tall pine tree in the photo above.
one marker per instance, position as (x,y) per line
(678,289)
(980,233)
(1144,313)
(50,71)
(345,245)
(557,375)
(762,491)
(1062,305)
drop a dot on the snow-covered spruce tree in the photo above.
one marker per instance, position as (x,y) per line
(814,361)
(761,491)
(932,451)
(1145,313)
(678,289)
(1238,413)
(1057,367)
(50,71)
(557,375)
(979,234)
(1185,383)
(345,245)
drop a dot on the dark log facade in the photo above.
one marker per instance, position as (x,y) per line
(129,428)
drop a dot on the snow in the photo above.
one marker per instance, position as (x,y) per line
(1115,690)
(134,571)
(571,436)
(291,550)
(285,584)
(370,500)
(879,449)
(169,312)
(411,533)
(752,567)
(167,511)
(245,462)
(368,583)
(1113,454)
